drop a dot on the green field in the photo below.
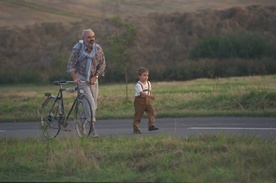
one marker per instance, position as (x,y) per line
(236,96)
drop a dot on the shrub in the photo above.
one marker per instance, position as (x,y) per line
(234,45)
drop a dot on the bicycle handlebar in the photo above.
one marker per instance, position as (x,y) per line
(65,82)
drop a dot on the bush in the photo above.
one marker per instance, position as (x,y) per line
(23,77)
(235,45)
(211,68)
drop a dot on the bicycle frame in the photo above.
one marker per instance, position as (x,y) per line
(59,97)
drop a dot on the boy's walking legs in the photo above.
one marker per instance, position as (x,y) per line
(139,105)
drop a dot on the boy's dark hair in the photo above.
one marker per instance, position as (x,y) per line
(141,70)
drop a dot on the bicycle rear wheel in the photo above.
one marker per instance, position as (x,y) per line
(83,116)
(50,117)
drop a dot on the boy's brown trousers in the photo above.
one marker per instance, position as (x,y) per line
(141,105)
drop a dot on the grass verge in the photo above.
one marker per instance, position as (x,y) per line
(160,158)
(236,96)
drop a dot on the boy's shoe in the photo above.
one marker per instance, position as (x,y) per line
(138,131)
(152,128)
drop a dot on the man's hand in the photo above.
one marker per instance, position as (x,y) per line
(78,81)
(93,79)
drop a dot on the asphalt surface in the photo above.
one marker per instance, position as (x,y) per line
(182,127)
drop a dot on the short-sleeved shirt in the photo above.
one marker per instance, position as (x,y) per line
(138,88)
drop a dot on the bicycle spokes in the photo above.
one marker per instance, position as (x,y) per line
(50,124)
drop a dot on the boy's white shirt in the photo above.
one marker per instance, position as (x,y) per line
(138,88)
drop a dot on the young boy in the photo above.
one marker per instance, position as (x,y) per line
(142,101)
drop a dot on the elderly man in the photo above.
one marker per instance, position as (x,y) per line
(87,63)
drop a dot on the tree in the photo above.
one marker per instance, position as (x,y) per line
(122,45)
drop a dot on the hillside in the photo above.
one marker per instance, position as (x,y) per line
(36,36)
(20,13)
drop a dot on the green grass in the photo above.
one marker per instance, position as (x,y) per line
(147,158)
(235,96)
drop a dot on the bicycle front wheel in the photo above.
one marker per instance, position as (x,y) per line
(83,116)
(50,117)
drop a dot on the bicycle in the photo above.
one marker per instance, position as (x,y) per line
(53,118)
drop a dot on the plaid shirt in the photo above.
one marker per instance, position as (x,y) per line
(97,65)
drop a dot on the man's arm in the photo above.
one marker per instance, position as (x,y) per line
(102,64)
(71,66)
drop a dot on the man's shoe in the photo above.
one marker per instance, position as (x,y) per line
(82,128)
(152,128)
(138,131)
(93,130)
(95,135)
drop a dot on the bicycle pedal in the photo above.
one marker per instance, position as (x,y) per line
(64,125)
(66,129)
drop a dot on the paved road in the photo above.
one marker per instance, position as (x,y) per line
(256,126)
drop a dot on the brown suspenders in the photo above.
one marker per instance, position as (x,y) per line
(149,88)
